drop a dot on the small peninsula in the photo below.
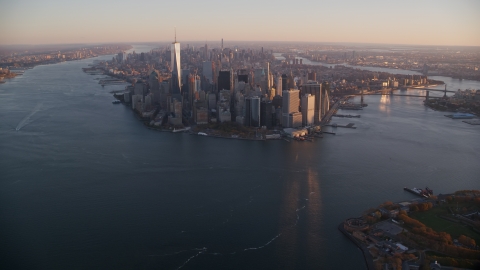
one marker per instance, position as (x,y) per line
(431,232)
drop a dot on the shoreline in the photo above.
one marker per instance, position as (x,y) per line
(366,254)
(392,68)
(139,118)
(383,238)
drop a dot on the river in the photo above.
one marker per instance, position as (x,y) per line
(83,184)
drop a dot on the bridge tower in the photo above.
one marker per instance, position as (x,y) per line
(427,96)
(445,93)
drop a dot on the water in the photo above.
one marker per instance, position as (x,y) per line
(83,184)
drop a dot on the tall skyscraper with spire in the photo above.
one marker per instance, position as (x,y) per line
(176,79)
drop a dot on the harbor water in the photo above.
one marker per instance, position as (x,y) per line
(83,184)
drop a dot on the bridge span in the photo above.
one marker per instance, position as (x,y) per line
(430,89)
(390,94)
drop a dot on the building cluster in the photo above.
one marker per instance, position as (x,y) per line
(463,101)
(174,87)
(33,57)
(5,73)
(460,62)
(467,95)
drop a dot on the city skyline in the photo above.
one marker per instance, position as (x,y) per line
(449,23)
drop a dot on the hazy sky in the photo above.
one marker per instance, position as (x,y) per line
(432,22)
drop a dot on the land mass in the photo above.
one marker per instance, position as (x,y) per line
(432,232)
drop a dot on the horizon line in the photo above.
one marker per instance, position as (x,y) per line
(230,41)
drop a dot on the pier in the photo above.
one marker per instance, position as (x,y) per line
(346,115)
(350,125)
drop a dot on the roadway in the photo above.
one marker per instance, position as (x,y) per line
(327,117)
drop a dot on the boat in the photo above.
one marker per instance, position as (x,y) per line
(462,116)
(420,192)
(116,101)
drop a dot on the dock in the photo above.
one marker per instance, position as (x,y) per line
(350,125)
(472,122)
(420,192)
(346,115)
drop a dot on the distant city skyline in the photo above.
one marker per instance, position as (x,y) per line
(428,22)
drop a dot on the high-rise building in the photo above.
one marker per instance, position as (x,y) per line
(252,111)
(206,56)
(224,80)
(315,89)
(184,82)
(266,118)
(193,88)
(176,80)
(308,109)
(291,81)
(325,98)
(208,70)
(278,84)
(284,82)
(255,112)
(291,104)
(259,75)
(154,83)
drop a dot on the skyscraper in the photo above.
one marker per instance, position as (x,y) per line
(279,86)
(208,70)
(308,109)
(224,80)
(315,89)
(176,80)
(206,53)
(291,104)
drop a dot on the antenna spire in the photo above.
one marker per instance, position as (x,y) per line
(175,34)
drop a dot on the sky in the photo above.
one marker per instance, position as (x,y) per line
(424,22)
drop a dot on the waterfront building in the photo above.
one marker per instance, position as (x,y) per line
(252,111)
(266,114)
(176,117)
(325,98)
(308,109)
(315,89)
(127,97)
(137,102)
(291,104)
(140,88)
(295,119)
(148,102)
(247,111)
(255,112)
